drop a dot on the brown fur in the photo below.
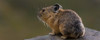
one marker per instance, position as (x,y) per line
(67,22)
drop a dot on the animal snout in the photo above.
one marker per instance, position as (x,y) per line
(39,15)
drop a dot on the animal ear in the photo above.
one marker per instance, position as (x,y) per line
(56,7)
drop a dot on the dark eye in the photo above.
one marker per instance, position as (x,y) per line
(43,10)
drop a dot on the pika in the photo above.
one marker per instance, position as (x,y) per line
(64,21)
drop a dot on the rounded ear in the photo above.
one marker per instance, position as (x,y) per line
(56,7)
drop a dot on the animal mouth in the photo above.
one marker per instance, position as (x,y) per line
(39,15)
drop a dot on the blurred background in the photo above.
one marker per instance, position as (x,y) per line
(18,18)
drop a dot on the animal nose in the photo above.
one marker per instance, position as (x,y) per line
(39,15)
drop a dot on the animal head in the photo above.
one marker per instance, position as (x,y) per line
(49,11)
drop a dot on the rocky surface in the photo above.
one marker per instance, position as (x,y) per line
(89,35)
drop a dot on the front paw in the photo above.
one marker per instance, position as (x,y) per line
(63,37)
(52,34)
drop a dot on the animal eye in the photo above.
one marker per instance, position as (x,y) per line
(43,10)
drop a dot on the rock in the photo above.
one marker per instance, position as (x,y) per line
(89,35)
